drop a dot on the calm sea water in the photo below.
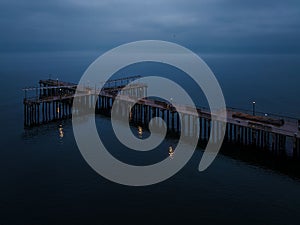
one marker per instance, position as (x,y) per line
(45,180)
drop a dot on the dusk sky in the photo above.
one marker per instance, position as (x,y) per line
(231,26)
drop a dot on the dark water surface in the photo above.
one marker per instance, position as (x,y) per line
(45,180)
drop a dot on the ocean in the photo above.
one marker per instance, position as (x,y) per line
(45,180)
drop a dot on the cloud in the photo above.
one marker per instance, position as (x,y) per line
(209,25)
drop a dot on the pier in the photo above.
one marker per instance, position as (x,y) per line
(52,101)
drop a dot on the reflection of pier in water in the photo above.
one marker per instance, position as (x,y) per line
(53,99)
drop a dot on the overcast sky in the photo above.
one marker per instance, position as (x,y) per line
(203,25)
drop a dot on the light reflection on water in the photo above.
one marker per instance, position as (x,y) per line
(61,131)
(171,152)
(140,132)
(51,130)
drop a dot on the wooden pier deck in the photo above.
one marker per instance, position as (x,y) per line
(53,99)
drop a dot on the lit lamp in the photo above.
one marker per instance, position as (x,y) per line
(253,106)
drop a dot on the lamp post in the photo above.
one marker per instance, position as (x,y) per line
(171,102)
(253,107)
